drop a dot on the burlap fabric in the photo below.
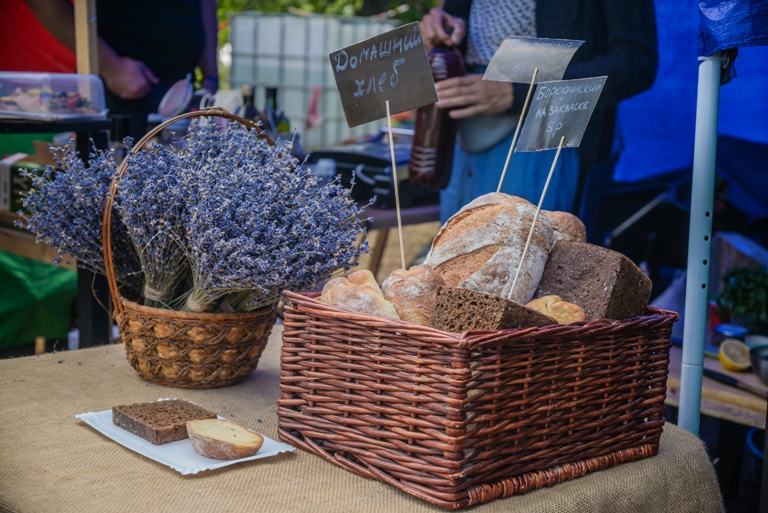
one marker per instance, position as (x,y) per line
(50,461)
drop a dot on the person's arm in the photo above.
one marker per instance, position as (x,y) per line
(208,62)
(469,95)
(126,77)
(632,58)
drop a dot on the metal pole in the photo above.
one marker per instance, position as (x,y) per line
(764,483)
(699,241)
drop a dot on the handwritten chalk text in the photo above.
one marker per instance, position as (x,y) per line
(384,49)
(545,91)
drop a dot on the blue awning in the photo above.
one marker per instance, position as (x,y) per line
(727,24)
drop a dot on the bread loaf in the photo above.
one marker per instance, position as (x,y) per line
(480,247)
(359,292)
(412,292)
(460,310)
(159,422)
(563,311)
(605,283)
(223,440)
(566,226)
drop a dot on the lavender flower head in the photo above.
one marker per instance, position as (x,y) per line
(258,223)
(66,207)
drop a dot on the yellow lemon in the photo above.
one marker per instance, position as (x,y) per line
(734,355)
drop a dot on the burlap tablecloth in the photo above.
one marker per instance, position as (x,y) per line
(50,461)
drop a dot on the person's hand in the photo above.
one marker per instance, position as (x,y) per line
(475,95)
(128,78)
(433,29)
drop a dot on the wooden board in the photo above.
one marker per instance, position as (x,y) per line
(23,243)
(86,46)
(718,399)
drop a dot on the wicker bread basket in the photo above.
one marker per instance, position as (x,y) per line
(463,419)
(185,349)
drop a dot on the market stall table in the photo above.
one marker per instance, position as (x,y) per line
(739,409)
(719,400)
(51,461)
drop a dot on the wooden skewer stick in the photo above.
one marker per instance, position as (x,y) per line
(517,130)
(395,185)
(536,216)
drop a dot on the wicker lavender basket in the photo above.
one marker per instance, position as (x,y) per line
(463,419)
(185,349)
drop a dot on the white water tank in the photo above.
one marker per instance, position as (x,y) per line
(290,52)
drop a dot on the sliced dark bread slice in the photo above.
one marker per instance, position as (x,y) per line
(159,422)
(460,310)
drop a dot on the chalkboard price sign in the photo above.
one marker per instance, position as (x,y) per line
(389,67)
(560,109)
(518,56)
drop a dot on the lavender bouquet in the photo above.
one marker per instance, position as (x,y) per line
(66,205)
(151,203)
(214,222)
(258,223)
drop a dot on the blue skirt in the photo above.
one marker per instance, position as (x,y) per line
(475,174)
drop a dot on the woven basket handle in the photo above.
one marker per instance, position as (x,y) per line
(106,225)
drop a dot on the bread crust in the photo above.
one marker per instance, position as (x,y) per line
(359,292)
(566,226)
(481,247)
(562,311)
(412,292)
(158,422)
(218,439)
(459,310)
(605,283)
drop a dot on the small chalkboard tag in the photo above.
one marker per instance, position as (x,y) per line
(560,109)
(517,57)
(389,67)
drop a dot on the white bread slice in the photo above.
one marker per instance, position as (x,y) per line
(223,440)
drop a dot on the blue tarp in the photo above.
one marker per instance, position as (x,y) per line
(726,24)
(657,126)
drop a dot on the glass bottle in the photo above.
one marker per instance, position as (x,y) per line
(435,132)
(248,110)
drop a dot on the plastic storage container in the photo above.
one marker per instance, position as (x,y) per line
(291,53)
(725,331)
(51,96)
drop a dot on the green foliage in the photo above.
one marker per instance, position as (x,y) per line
(745,293)
(414,12)
(404,12)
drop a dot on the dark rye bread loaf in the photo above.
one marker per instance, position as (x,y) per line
(159,422)
(605,283)
(459,310)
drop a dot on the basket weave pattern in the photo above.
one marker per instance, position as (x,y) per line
(185,349)
(464,419)
(191,350)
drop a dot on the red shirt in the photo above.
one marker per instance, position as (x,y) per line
(25,45)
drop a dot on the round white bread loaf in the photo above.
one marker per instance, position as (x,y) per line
(223,440)
(480,247)
(412,292)
(359,292)
(566,226)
